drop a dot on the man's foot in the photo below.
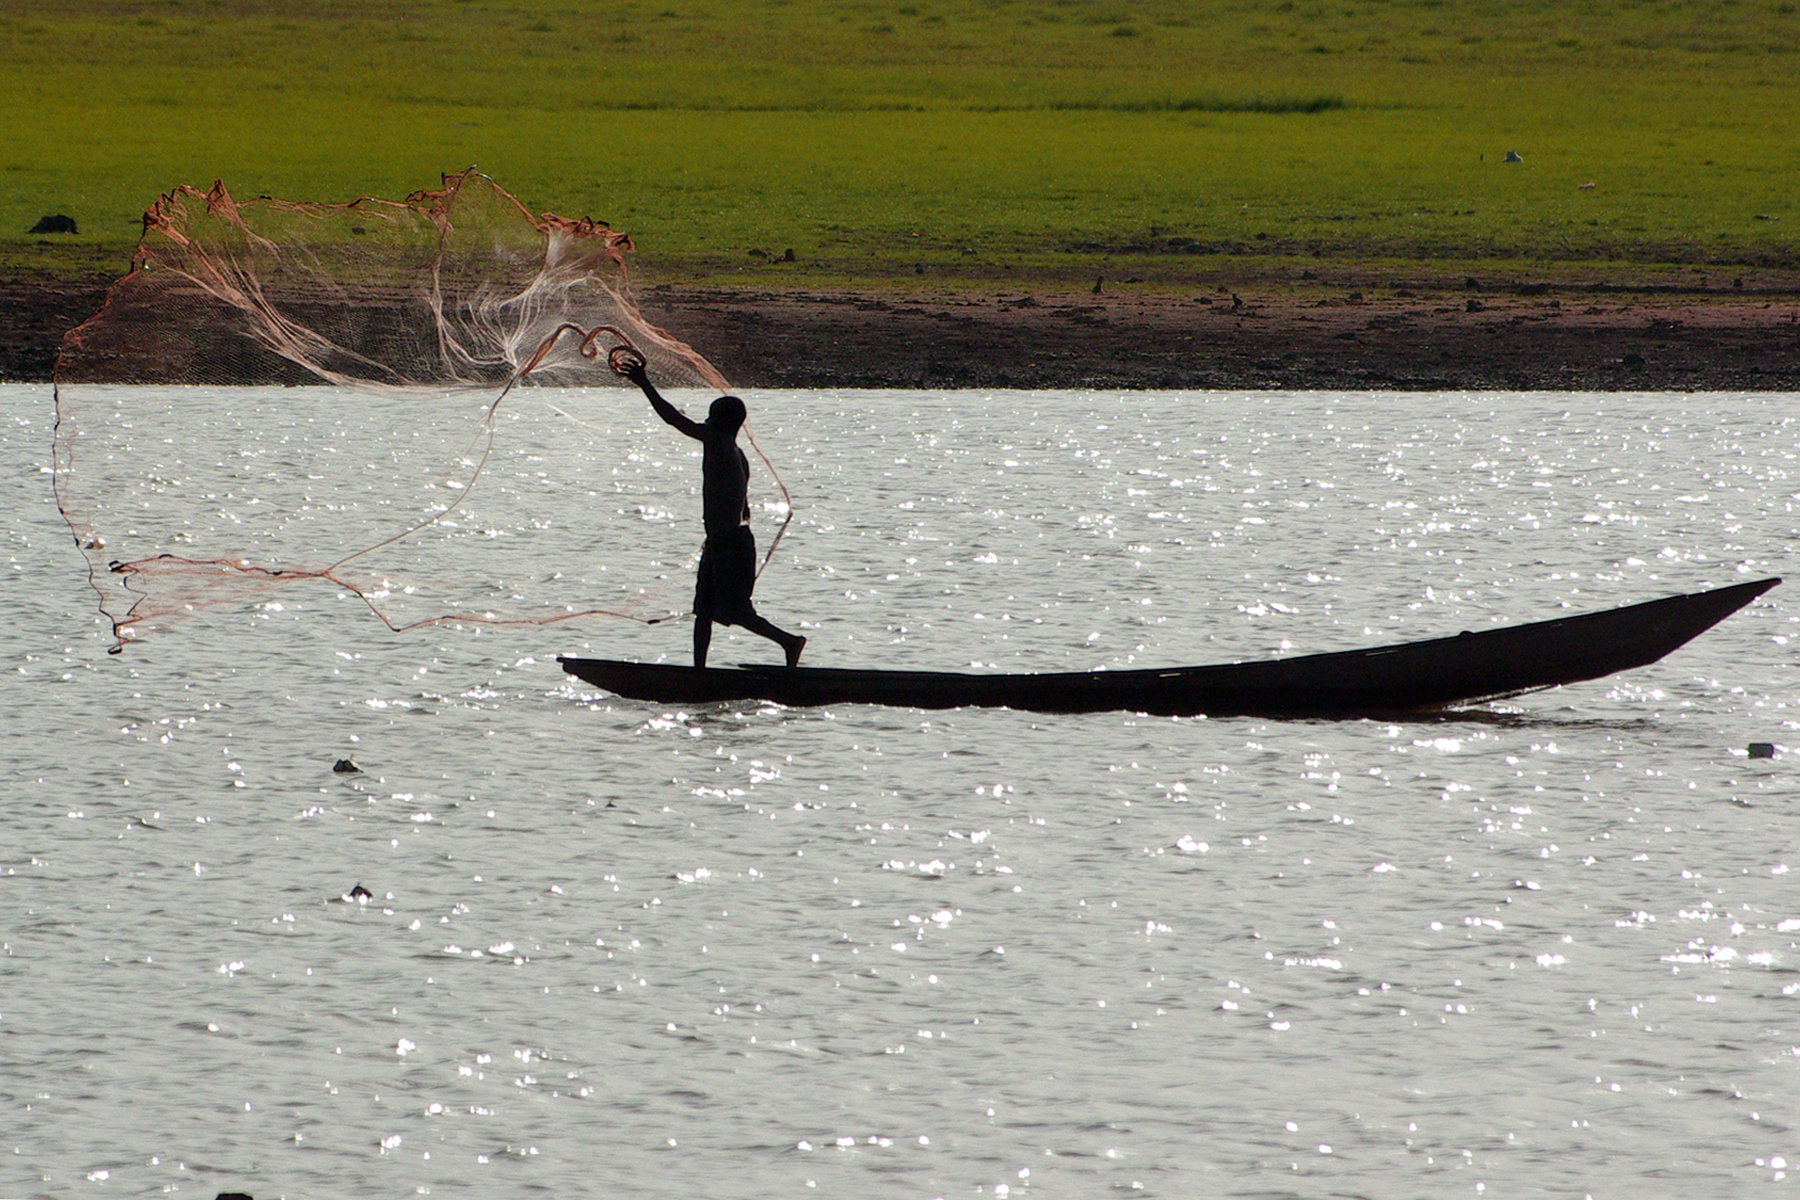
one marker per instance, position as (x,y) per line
(793,651)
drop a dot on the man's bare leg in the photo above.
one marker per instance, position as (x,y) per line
(702,639)
(791,643)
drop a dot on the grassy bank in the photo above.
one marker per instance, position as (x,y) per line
(983,139)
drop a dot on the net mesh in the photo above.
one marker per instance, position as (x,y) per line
(285,393)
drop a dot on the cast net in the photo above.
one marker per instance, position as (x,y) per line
(407,403)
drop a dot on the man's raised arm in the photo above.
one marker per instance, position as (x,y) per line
(629,364)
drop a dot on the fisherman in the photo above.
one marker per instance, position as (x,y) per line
(728,559)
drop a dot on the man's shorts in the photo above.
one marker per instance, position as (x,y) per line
(727,577)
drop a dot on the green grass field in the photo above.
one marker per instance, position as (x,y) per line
(976,138)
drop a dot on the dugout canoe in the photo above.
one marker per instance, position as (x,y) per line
(1411,677)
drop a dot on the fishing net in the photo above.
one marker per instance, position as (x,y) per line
(407,402)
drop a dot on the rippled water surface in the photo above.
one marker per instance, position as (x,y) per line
(617,949)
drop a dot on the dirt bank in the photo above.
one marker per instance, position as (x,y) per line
(1314,338)
(1458,334)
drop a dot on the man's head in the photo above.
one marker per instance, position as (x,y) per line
(727,414)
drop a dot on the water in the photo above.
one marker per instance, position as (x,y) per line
(619,949)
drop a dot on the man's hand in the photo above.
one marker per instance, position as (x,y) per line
(627,363)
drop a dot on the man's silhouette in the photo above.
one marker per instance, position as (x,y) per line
(728,560)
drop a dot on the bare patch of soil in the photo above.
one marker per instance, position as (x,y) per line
(1461,340)
(1456,335)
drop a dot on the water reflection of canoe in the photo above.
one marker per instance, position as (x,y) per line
(1415,676)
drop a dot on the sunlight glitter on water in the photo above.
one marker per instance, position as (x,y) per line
(645,951)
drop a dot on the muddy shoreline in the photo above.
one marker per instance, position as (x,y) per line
(1460,335)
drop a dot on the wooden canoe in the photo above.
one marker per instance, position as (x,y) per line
(1411,677)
